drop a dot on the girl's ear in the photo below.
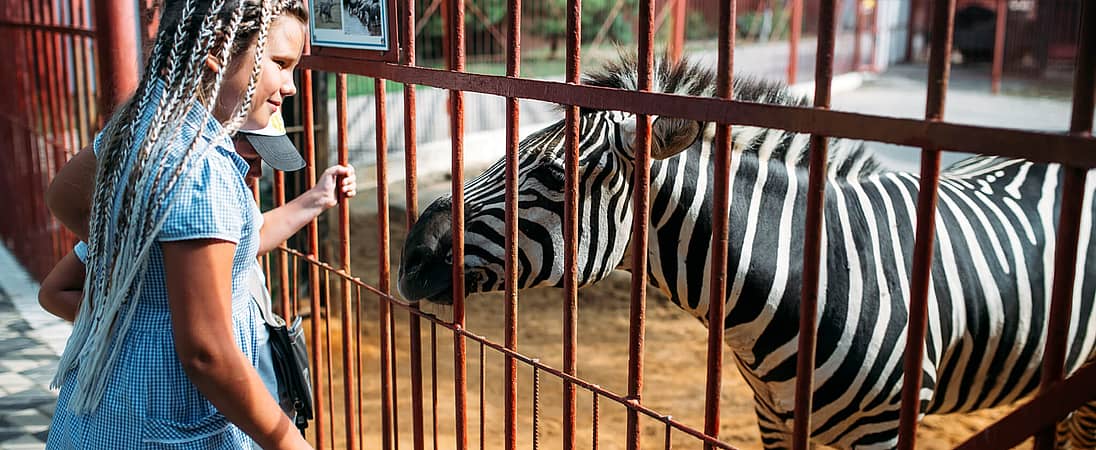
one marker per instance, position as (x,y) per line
(212,64)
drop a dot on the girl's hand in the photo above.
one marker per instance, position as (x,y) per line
(335,183)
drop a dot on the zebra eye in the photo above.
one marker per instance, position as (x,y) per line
(449,258)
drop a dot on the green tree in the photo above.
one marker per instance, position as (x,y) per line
(548,19)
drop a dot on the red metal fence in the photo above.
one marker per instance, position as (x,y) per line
(933,134)
(371,395)
(50,110)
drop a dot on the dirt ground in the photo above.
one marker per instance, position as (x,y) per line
(674,368)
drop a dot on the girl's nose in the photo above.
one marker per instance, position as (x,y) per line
(289,88)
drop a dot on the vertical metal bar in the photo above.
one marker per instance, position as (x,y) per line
(677,29)
(117,35)
(939,67)
(349,380)
(513,68)
(388,419)
(874,56)
(283,259)
(482,397)
(330,352)
(536,407)
(795,29)
(456,99)
(911,28)
(858,35)
(407,24)
(313,253)
(596,428)
(812,247)
(641,213)
(570,223)
(1069,221)
(434,378)
(721,206)
(668,444)
(999,46)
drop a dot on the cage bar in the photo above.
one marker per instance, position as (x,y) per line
(812,248)
(720,206)
(570,222)
(943,27)
(1069,221)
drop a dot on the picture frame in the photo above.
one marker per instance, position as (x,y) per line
(354,29)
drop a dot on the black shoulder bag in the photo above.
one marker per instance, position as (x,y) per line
(289,353)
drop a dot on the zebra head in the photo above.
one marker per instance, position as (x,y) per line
(605,168)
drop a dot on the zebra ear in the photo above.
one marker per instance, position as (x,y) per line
(670,136)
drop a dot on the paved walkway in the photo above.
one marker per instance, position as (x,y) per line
(28,359)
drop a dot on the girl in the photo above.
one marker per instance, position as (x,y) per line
(167,339)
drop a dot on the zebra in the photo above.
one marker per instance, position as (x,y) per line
(990,280)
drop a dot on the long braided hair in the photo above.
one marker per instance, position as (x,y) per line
(135,176)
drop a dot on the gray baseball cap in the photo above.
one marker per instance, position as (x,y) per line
(274,146)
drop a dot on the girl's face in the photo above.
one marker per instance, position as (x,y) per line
(285,42)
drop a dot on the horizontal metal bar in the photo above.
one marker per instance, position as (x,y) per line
(1043,410)
(1078,151)
(620,399)
(76,31)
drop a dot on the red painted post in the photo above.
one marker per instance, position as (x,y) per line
(116,31)
(793,39)
(999,46)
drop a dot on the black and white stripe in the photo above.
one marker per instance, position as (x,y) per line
(990,285)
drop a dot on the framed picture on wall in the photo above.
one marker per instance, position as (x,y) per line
(359,29)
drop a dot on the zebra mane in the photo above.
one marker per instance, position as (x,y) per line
(688,77)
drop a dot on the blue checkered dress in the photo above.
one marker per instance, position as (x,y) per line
(149,401)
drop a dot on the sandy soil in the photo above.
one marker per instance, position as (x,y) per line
(674,368)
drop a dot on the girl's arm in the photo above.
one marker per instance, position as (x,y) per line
(69,194)
(63,288)
(282,222)
(199,286)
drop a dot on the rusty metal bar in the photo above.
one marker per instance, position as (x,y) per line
(911,28)
(1069,221)
(330,354)
(570,223)
(434,377)
(283,266)
(59,29)
(1043,410)
(349,356)
(812,247)
(410,152)
(308,114)
(456,99)
(939,68)
(795,28)
(874,57)
(513,69)
(858,36)
(1032,145)
(999,46)
(641,216)
(676,45)
(668,444)
(117,52)
(482,397)
(720,207)
(536,408)
(388,417)
(596,428)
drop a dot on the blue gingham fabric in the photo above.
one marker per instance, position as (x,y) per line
(149,402)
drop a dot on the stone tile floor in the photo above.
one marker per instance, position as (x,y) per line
(30,342)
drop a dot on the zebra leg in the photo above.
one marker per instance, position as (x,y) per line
(775,435)
(1078,431)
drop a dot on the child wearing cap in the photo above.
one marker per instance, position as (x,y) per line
(165,348)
